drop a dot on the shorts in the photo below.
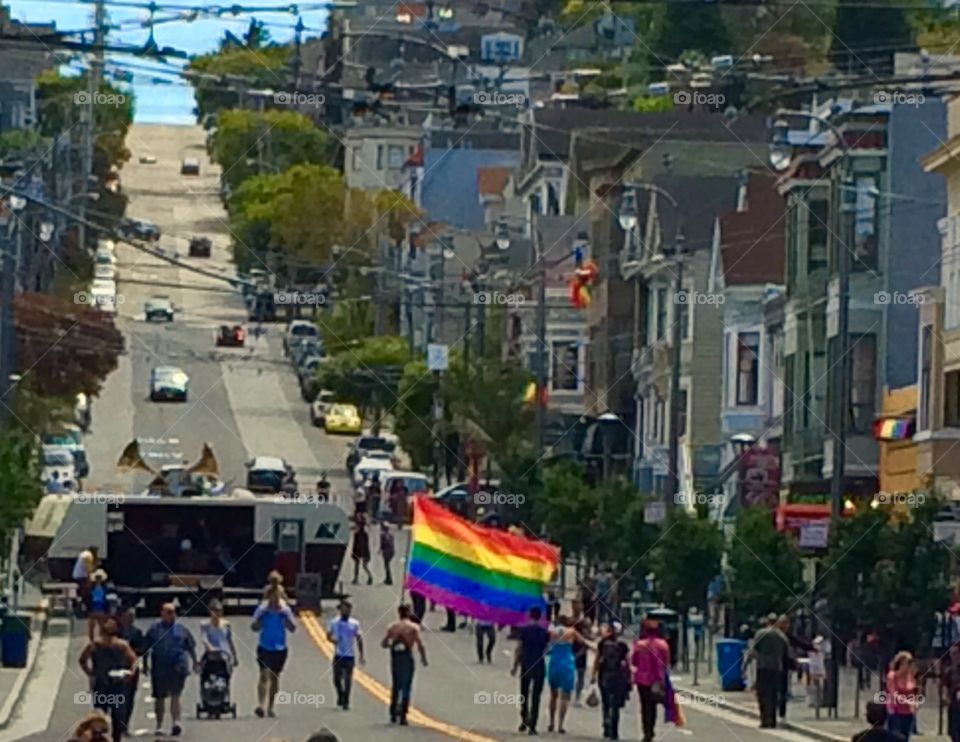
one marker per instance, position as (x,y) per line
(167,682)
(272,660)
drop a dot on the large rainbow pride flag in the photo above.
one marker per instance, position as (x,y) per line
(477,571)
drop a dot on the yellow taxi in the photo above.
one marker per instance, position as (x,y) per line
(343,418)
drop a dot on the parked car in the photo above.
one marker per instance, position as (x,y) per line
(231,336)
(416,484)
(104,272)
(303,347)
(299,328)
(367,443)
(200,247)
(371,467)
(148,160)
(104,256)
(169,383)
(343,418)
(307,376)
(158,308)
(190,166)
(58,464)
(71,438)
(321,405)
(139,230)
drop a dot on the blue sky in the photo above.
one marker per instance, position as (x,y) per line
(158,102)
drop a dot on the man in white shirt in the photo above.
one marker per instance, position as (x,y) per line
(344,632)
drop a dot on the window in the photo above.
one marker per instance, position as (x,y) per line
(817,232)
(951,400)
(356,158)
(682,422)
(395,156)
(865,226)
(659,420)
(683,317)
(661,313)
(380,149)
(863,382)
(748,368)
(789,401)
(806,391)
(566,359)
(926,351)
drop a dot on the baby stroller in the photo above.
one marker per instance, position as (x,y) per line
(215,687)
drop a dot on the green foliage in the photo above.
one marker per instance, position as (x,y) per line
(350,322)
(888,575)
(284,138)
(866,35)
(765,567)
(368,373)
(20,488)
(413,413)
(686,558)
(15,141)
(684,26)
(259,68)
(652,103)
(566,508)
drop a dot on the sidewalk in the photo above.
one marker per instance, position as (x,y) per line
(801,717)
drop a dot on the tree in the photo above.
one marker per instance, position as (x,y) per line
(765,567)
(349,322)
(64,348)
(20,488)
(232,69)
(14,141)
(566,508)
(413,413)
(280,139)
(686,558)
(684,26)
(866,35)
(887,574)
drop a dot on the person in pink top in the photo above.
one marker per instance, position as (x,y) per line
(902,694)
(650,661)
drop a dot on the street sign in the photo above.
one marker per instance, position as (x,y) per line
(438,357)
(815,535)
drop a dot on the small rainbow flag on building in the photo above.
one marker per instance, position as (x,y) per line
(894,429)
(486,573)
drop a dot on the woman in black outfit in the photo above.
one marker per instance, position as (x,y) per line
(109,662)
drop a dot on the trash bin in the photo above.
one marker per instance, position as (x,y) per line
(14,640)
(730,663)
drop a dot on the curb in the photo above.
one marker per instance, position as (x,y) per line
(790,726)
(38,627)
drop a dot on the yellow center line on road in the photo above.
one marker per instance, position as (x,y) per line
(381,692)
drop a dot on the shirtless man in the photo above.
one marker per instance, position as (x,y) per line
(401,638)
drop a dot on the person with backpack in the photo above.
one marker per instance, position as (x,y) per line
(611,673)
(110,662)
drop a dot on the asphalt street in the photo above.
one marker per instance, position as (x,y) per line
(245,402)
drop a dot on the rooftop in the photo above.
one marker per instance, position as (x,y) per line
(752,246)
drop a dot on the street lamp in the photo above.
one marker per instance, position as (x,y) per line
(629,218)
(607,419)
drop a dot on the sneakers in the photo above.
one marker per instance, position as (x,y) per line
(259,712)
(175,732)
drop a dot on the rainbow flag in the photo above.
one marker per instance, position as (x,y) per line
(894,429)
(486,573)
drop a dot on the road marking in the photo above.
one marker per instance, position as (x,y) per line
(379,691)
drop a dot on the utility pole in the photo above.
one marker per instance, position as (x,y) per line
(466,331)
(673,455)
(542,375)
(87,112)
(7,290)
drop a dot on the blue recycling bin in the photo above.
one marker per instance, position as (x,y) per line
(14,640)
(730,663)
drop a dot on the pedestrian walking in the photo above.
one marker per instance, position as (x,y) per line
(877,719)
(133,636)
(950,690)
(902,695)
(109,662)
(216,635)
(401,639)
(770,651)
(796,647)
(361,550)
(530,660)
(172,655)
(451,624)
(387,551)
(273,619)
(650,660)
(97,603)
(580,652)
(83,569)
(486,635)
(344,633)
(562,671)
(611,673)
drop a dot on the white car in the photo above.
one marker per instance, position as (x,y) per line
(299,328)
(371,468)
(104,284)
(169,382)
(59,465)
(104,272)
(104,257)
